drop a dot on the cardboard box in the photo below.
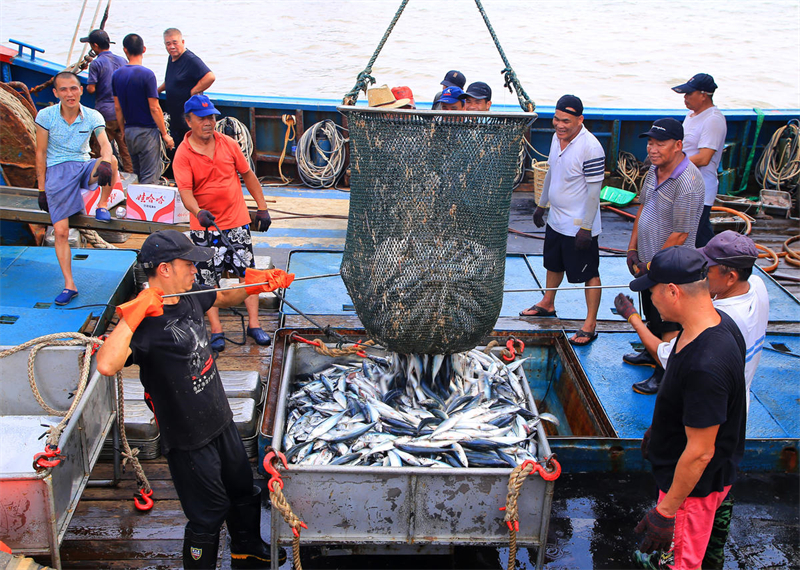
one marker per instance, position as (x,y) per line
(156,204)
(118,193)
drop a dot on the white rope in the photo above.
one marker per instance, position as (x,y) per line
(324,176)
(235,129)
(774,171)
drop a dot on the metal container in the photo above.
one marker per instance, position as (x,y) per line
(37,506)
(409,506)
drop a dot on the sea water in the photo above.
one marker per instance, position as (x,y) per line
(611,53)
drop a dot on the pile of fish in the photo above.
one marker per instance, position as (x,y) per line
(463,410)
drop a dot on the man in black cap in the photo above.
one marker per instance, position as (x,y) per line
(672,202)
(704,131)
(479,97)
(452,78)
(167,339)
(99,84)
(572,186)
(696,439)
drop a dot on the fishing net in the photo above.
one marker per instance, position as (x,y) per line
(424,258)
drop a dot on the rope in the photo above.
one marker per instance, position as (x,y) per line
(631,170)
(235,129)
(325,175)
(18,109)
(95,240)
(508,73)
(320,347)
(279,501)
(777,166)
(128,454)
(759,122)
(364,79)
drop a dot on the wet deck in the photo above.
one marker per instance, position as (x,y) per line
(593,514)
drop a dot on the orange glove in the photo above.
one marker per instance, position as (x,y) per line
(276,278)
(149,303)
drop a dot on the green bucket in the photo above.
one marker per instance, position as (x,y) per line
(616,196)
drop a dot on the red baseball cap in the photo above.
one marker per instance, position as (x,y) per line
(404,92)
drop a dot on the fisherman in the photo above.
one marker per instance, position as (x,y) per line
(572,186)
(167,340)
(404,93)
(64,167)
(697,435)
(704,130)
(452,99)
(186,75)
(139,112)
(452,78)
(207,174)
(99,84)
(384,98)
(672,203)
(743,296)
(479,97)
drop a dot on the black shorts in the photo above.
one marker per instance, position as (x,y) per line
(224,261)
(561,256)
(657,326)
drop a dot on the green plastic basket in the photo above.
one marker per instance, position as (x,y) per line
(616,196)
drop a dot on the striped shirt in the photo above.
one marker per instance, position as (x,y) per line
(68,143)
(673,206)
(581,162)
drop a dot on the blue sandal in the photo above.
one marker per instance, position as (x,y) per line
(65,296)
(102,215)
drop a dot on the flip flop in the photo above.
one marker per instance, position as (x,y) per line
(538,312)
(583,334)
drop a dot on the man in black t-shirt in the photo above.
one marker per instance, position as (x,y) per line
(206,457)
(186,75)
(697,435)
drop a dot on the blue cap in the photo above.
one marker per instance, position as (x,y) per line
(454,78)
(452,95)
(479,90)
(200,105)
(679,264)
(700,82)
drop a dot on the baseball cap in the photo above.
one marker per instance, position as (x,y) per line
(700,82)
(200,105)
(570,104)
(679,264)
(168,245)
(731,249)
(479,90)
(452,95)
(664,130)
(404,92)
(99,37)
(454,78)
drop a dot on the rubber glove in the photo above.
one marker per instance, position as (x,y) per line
(274,279)
(583,239)
(538,217)
(624,306)
(263,221)
(149,303)
(206,218)
(646,442)
(658,531)
(43,202)
(104,173)
(633,261)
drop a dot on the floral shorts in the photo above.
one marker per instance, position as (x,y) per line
(224,260)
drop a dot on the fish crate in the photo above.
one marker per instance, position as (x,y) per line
(37,506)
(419,506)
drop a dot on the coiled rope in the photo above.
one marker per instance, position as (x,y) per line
(235,129)
(631,170)
(54,432)
(94,239)
(781,167)
(326,174)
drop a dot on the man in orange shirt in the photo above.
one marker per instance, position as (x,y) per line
(207,173)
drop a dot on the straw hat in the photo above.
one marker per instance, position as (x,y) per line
(382,97)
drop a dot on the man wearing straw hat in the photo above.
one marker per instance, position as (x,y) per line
(162,332)
(572,186)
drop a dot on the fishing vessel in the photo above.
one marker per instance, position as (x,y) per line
(89,523)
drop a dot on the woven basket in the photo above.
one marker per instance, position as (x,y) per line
(539,172)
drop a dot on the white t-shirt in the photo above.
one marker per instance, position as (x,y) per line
(570,169)
(750,312)
(706,130)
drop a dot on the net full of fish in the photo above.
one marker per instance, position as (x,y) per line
(463,410)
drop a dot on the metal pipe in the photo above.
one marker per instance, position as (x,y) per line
(74,35)
(626,286)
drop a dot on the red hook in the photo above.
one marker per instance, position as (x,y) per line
(49,458)
(360,353)
(297,532)
(297,337)
(270,468)
(146,501)
(514,348)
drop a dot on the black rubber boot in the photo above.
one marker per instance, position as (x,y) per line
(642,358)
(650,386)
(200,550)
(248,550)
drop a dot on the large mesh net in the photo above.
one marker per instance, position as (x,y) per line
(424,258)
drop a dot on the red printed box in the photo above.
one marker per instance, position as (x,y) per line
(92,197)
(156,204)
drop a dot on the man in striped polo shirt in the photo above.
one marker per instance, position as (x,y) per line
(672,202)
(572,186)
